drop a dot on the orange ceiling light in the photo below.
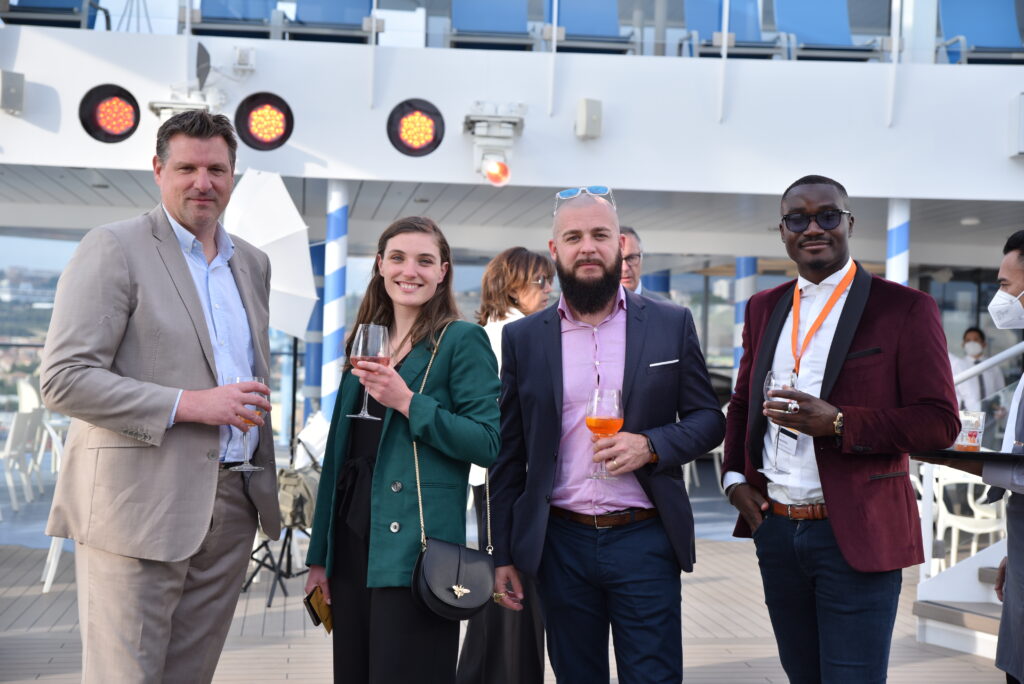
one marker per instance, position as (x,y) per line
(109,113)
(415,127)
(416,130)
(264,121)
(496,171)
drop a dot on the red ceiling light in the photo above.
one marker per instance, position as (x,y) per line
(109,113)
(264,121)
(496,171)
(415,127)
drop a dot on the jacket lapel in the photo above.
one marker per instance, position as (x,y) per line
(551,342)
(765,356)
(856,300)
(174,261)
(413,367)
(636,316)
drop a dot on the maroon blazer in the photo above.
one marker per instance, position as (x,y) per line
(888,372)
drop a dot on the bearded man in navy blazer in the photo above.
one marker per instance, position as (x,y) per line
(819,472)
(604,551)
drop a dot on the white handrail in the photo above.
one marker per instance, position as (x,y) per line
(979,368)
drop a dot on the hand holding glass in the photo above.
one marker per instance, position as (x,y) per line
(777,380)
(246,466)
(604,419)
(373,346)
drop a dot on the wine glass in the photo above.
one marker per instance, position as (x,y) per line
(604,419)
(370,345)
(777,380)
(246,466)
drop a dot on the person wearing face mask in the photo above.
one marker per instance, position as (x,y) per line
(1007,312)
(976,394)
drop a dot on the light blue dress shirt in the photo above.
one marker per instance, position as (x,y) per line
(226,321)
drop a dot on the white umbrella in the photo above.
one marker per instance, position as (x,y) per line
(262,212)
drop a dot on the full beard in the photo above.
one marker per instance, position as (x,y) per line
(589,296)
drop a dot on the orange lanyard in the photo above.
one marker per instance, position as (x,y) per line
(836,294)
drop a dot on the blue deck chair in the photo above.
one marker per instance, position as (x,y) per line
(237,18)
(495,24)
(820,29)
(981,31)
(62,13)
(333,21)
(704,19)
(590,26)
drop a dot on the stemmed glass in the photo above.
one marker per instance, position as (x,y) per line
(370,345)
(246,466)
(604,419)
(777,380)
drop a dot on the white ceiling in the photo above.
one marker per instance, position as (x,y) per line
(479,219)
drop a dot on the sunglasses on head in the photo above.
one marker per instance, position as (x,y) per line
(592,190)
(827,219)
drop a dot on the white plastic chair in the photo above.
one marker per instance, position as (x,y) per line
(20,441)
(56,543)
(980,518)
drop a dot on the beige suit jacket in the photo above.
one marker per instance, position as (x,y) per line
(127,333)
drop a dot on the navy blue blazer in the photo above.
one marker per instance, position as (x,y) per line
(672,403)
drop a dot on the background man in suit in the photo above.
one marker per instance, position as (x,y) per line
(603,550)
(633,263)
(154,317)
(823,487)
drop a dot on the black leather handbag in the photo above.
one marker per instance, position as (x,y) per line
(450,580)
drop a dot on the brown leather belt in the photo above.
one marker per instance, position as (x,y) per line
(606,520)
(800,511)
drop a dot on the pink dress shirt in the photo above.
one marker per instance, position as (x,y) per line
(591,357)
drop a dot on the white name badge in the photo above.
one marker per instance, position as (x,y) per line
(786,451)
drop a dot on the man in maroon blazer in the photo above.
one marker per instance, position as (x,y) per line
(818,472)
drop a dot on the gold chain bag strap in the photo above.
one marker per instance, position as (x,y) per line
(450,580)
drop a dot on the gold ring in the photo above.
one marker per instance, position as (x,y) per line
(497,596)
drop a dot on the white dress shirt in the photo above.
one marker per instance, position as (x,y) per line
(802,483)
(971,393)
(493,329)
(1008,475)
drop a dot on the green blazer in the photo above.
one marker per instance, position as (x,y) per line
(455,422)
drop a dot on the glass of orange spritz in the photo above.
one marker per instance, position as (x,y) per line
(604,419)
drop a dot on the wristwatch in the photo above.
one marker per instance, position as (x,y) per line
(650,447)
(837,424)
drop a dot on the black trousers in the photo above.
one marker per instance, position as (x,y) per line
(502,646)
(381,636)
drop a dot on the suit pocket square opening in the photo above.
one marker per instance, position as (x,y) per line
(663,363)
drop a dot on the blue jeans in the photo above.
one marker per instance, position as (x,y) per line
(832,623)
(625,576)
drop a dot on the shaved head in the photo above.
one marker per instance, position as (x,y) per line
(584,200)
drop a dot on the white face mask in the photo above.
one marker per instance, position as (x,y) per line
(1006,310)
(973,349)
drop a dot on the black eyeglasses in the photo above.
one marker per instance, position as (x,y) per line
(827,219)
(542,282)
(593,190)
(633,259)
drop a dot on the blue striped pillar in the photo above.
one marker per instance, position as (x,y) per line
(659,281)
(746,286)
(335,257)
(897,243)
(314,338)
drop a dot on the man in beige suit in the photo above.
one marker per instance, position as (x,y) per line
(154,317)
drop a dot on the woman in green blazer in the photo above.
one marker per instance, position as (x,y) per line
(366,534)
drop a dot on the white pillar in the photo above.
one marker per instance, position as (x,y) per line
(335,258)
(897,243)
(919,20)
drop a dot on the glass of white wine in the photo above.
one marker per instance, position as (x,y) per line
(777,380)
(246,466)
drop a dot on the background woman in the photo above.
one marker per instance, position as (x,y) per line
(503,646)
(365,537)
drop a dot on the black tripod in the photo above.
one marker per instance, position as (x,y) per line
(281,566)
